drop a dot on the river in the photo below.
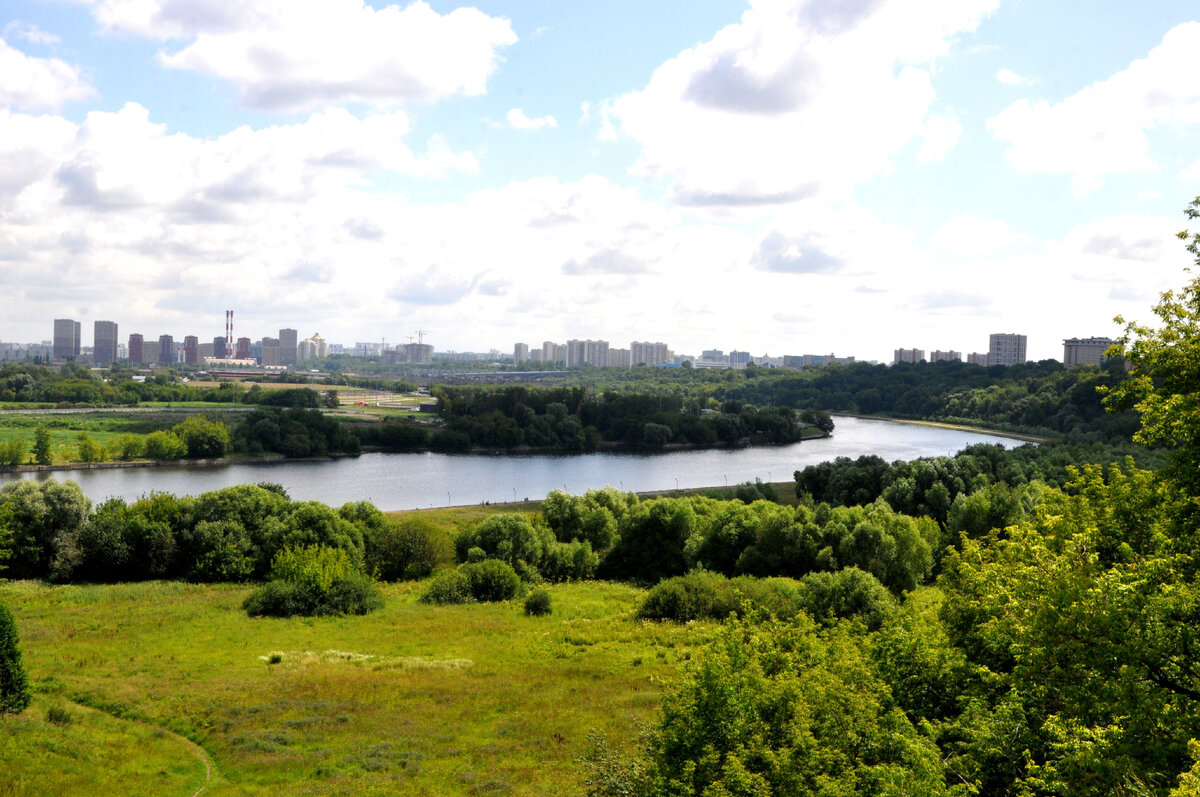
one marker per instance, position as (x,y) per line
(412,481)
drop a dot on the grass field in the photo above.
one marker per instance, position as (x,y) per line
(414,699)
(103,427)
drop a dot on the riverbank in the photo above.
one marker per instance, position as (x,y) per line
(958,427)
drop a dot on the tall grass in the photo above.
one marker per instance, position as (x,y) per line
(413,699)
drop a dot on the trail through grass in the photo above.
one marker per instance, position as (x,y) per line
(413,699)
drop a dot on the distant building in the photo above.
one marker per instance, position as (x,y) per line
(205,351)
(418,353)
(1085,351)
(66,339)
(738,359)
(977,358)
(619,358)
(166,350)
(650,353)
(908,356)
(271,353)
(136,355)
(554,353)
(520,353)
(243,349)
(104,342)
(288,347)
(587,352)
(939,356)
(218,349)
(1006,348)
(191,350)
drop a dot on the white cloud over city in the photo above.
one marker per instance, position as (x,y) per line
(802,177)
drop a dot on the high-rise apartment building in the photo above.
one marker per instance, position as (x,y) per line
(977,358)
(136,344)
(243,349)
(191,349)
(166,350)
(288,348)
(271,354)
(908,356)
(649,353)
(104,343)
(1006,348)
(66,339)
(520,353)
(587,352)
(939,356)
(1085,351)
(218,348)
(619,358)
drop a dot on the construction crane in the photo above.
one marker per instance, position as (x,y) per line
(420,333)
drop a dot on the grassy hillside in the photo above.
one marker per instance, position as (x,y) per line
(414,699)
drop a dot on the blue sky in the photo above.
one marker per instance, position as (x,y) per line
(783,177)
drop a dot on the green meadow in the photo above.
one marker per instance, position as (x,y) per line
(166,687)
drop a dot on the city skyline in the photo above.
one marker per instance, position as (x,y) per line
(777,176)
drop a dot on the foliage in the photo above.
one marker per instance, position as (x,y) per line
(203,438)
(41,446)
(12,452)
(14,688)
(314,580)
(163,446)
(407,549)
(483,582)
(779,707)
(1164,383)
(40,515)
(537,603)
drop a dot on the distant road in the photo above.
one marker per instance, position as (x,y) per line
(77,410)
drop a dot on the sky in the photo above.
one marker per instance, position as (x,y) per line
(778,176)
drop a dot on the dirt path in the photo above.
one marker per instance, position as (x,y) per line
(199,751)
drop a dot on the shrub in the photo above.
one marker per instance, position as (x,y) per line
(314,580)
(57,715)
(492,580)
(487,581)
(450,586)
(695,596)
(14,689)
(537,603)
(411,548)
(164,445)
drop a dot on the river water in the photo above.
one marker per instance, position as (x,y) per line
(410,481)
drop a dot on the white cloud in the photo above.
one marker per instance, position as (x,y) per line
(29,32)
(290,55)
(1011,78)
(798,99)
(941,135)
(31,83)
(1191,173)
(969,233)
(1102,129)
(519,121)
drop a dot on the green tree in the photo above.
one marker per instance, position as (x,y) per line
(203,439)
(14,689)
(88,449)
(12,452)
(41,445)
(164,445)
(1164,384)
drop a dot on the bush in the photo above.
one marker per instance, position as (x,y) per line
(311,581)
(485,582)
(14,689)
(409,549)
(451,586)
(492,580)
(164,445)
(537,604)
